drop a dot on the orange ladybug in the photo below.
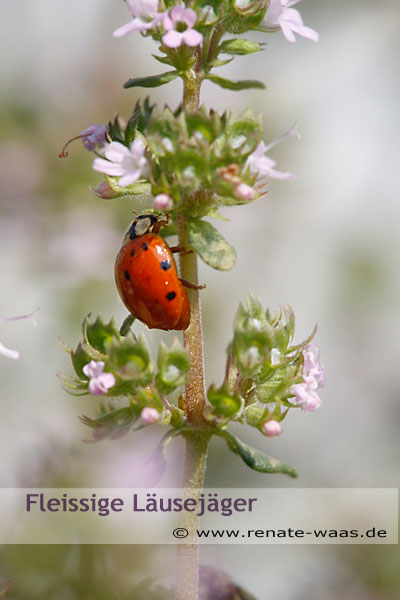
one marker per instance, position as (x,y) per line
(147,278)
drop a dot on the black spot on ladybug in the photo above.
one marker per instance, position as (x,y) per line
(127,276)
(132,253)
(144,246)
(171,295)
(165,265)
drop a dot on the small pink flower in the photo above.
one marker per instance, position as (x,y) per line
(263,166)
(312,366)
(93,136)
(126,163)
(271,428)
(145,16)
(179,28)
(244,192)
(149,415)
(305,395)
(100,382)
(313,379)
(279,14)
(163,202)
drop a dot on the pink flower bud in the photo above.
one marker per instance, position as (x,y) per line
(244,192)
(104,190)
(163,202)
(149,416)
(271,428)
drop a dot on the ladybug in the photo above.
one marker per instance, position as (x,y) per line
(147,278)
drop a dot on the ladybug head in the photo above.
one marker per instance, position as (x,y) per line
(140,226)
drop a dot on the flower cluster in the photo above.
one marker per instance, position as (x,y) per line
(221,156)
(267,375)
(119,369)
(177,25)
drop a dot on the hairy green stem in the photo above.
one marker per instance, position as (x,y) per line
(196,442)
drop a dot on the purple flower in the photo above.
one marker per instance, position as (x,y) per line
(93,136)
(126,163)
(280,15)
(163,202)
(179,28)
(100,382)
(313,379)
(271,428)
(145,16)
(149,415)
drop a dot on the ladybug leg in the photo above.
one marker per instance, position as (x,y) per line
(181,249)
(161,223)
(192,286)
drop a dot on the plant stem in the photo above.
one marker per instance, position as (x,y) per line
(193,336)
(197,440)
(187,581)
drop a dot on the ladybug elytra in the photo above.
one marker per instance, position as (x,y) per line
(147,278)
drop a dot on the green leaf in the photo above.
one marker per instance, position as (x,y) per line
(139,188)
(129,360)
(149,396)
(126,325)
(207,16)
(165,60)
(236,86)
(72,383)
(239,18)
(224,403)
(209,244)
(152,81)
(255,414)
(240,47)
(99,334)
(256,460)
(81,356)
(220,63)
(173,364)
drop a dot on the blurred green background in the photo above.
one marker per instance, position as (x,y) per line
(328,244)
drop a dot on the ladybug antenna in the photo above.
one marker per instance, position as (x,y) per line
(63,153)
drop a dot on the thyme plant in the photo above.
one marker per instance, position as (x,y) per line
(191,160)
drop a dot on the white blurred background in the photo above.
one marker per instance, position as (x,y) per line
(327,244)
